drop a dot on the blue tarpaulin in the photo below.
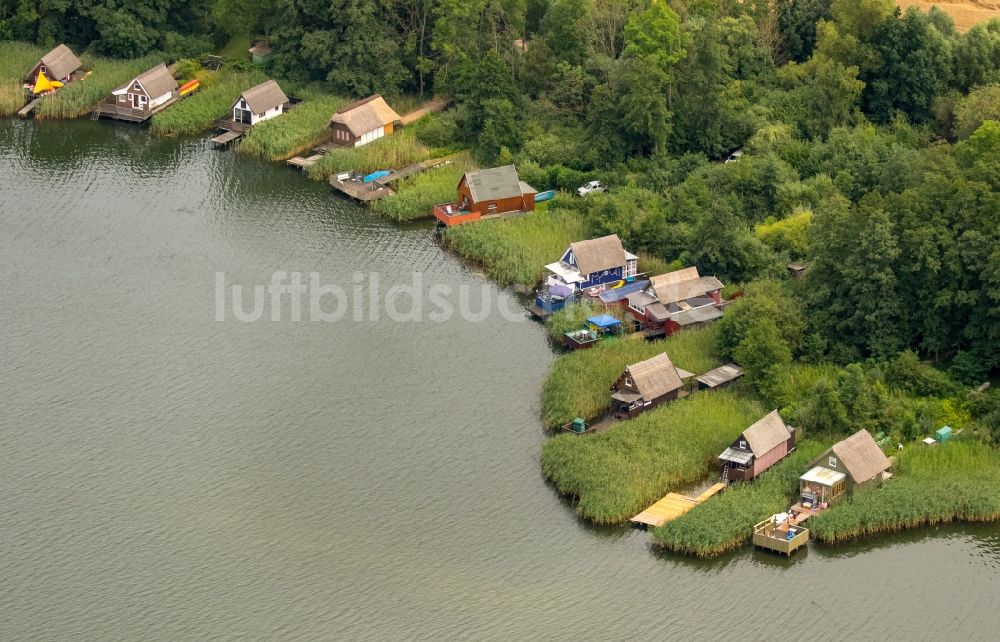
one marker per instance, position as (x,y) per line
(374,176)
(603,321)
(545,196)
(617,294)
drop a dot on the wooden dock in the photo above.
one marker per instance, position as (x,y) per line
(673,506)
(429,107)
(226,137)
(106,109)
(772,537)
(358,190)
(30,107)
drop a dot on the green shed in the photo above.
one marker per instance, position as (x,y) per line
(943,434)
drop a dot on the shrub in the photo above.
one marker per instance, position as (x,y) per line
(909,374)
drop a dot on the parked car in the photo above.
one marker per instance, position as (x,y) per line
(593,187)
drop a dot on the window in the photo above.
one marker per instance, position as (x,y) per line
(833,462)
(743,444)
(838,488)
(635,306)
(628,381)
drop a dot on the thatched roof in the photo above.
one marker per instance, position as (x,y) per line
(266,95)
(60,62)
(861,456)
(494,184)
(597,255)
(156,81)
(365,115)
(655,377)
(766,434)
(682,284)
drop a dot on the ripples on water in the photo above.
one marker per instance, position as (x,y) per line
(168,477)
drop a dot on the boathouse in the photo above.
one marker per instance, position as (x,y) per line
(140,98)
(592,264)
(487,193)
(853,464)
(260,103)
(646,384)
(677,300)
(759,447)
(55,69)
(362,122)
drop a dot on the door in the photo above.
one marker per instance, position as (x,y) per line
(243,116)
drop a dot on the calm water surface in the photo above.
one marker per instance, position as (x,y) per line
(164,476)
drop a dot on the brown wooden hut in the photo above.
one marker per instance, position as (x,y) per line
(146,94)
(759,447)
(850,465)
(362,122)
(59,64)
(645,385)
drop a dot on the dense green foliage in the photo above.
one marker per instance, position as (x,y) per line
(953,482)
(213,99)
(726,522)
(617,473)
(579,383)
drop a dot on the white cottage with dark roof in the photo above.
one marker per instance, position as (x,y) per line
(260,103)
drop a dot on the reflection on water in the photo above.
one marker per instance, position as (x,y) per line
(169,477)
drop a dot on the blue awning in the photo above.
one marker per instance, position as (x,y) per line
(603,321)
(374,176)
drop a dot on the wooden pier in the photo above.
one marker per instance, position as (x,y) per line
(378,188)
(30,107)
(360,190)
(226,137)
(673,506)
(107,109)
(780,538)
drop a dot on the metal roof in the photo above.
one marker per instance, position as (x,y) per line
(721,375)
(696,315)
(737,456)
(822,476)
(628,290)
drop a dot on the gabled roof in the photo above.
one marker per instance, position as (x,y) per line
(266,95)
(766,434)
(861,456)
(60,62)
(365,115)
(494,184)
(597,255)
(682,284)
(655,377)
(156,81)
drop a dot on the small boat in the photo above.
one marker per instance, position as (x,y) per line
(189,87)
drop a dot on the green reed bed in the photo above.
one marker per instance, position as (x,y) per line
(619,472)
(197,113)
(579,382)
(418,194)
(726,521)
(79,98)
(957,481)
(296,132)
(516,250)
(16,60)
(395,151)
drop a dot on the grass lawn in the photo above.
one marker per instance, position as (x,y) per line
(579,382)
(16,60)
(516,250)
(958,481)
(619,472)
(196,113)
(418,194)
(298,131)
(726,521)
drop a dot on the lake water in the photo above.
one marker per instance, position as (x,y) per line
(168,476)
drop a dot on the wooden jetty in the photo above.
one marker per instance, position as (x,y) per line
(230,130)
(30,107)
(782,538)
(226,137)
(107,109)
(359,190)
(429,107)
(673,506)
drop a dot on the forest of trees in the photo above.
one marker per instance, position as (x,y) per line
(871,137)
